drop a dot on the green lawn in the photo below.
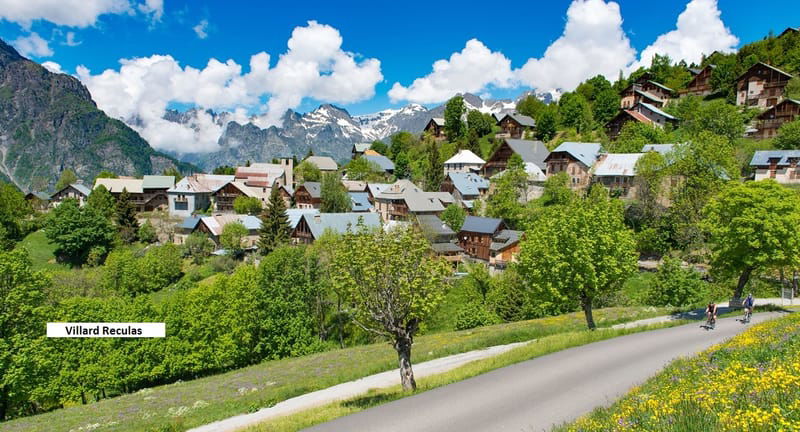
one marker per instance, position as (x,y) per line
(196,402)
(41,251)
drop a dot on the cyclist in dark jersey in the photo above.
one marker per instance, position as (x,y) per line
(711,313)
(748,304)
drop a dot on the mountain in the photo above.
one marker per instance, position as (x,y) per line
(49,122)
(327,130)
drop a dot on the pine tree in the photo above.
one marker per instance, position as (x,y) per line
(434,172)
(275,230)
(127,224)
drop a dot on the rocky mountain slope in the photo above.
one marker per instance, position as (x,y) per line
(48,123)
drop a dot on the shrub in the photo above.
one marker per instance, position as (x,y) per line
(222,264)
(677,286)
(147,233)
(474,314)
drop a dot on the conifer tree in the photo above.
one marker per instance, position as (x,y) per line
(275,230)
(126,218)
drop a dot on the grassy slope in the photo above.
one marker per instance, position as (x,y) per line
(196,402)
(40,251)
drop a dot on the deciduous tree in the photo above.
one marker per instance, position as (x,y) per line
(454,216)
(67,178)
(453,111)
(232,238)
(75,231)
(102,201)
(788,136)
(333,195)
(248,205)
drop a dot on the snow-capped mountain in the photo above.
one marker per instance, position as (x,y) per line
(328,130)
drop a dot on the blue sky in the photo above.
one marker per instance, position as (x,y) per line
(406,37)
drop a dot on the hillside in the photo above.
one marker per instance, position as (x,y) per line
(48,123)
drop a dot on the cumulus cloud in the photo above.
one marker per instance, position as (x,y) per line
(73,13)
(593,43)
(699,31)
(201,29)
(471,70)
(32,46)
(314,66)
(53,67)
(70,40)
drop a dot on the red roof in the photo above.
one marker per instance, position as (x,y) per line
(641,118)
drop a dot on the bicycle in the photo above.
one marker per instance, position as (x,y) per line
(748,313)
(711,322)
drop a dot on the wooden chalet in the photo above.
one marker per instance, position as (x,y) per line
(642,113)
(224,197)
(700,85)
(761,86)
(476,234)
(533,152)
(308,195)
(647,91)
(514,125)
(74,191)
(435,127)
(772,119)
(576,159)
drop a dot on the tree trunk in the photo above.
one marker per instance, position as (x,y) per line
(402,344)
(743,278)
(586,304)
(3,403)
(794,284)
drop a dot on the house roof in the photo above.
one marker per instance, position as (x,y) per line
(657,110)
(529,151)
(324,163)
(585,153)
(766,65)
(339,222)
(355,185)
(433,226)
(521,119)
(385,163)
(417,200)
(116,185)
(190,222)
(201,183)
(446,198)
(465,157)
(481,225)
(377,188)
(468,183)
(296,214)
(85,191)
(361,147)
(446,247)
(314,189)
(649,95)
(636,115)
(438,120)
(617,164)
(360,202)
(157,182)
(505,239)
(661,86)
(44,196)
(260,174)
(770,112)
(660,148)
(217,223)
(762,157)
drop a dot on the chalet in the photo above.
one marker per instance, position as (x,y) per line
(359,202)
(530,151)
(441,237)
(761,86)
(772,119)
(266,175)
(75,191)
(647,91)
(464,161)
(38,200)
(642,113)
(214,225)
(487,239)
(576,159)
(373,189)
(354,185)
(194,193)
(382,161)
(465,187)
(324,163)
(514,125)
(700,85)
(308,195)
(789,31)
(617,171)
(435,128)
(505,248)
(224,197)
(147,194)
(404,199)
(359,149)
(311,226)
(116,185)
(780,165)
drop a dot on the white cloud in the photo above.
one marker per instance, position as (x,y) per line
(74,13)
(699,31)
(53,67)
(593,43)
(70,40)
(471,70)
(315,66)
(32,46)
(201,29)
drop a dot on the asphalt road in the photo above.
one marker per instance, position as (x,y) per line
(537,394)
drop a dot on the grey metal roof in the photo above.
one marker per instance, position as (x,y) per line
(649,96)
(468,183)
(157,182)
(339,223)
(530,151)
(763,64)
(201,183)
(81,188)
(190,222)
(438,120)
(446,247)
(360,202)
(377,188)
(586,153)
(481,224)
(324,163)
(617,164)
(521,119)
(662,86)
(432,225)
(417,200)
(505,239)
(44,196)
(314,189)
(295,215)
(657,110)
(385,163)
(660,148)
(762,157)
(361,147)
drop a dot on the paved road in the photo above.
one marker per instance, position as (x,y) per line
(546,391)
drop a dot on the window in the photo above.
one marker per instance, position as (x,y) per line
(181,205)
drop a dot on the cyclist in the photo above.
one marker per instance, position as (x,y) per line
(748,304)
(711,314)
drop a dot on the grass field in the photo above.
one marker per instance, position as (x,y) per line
(192,403)
(750,383)
(40,251)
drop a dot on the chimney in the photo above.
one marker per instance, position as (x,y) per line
(317,218)
(288,170)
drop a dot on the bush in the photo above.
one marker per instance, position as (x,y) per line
(147,233)
(223,264)
(676,286)
(474,314)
